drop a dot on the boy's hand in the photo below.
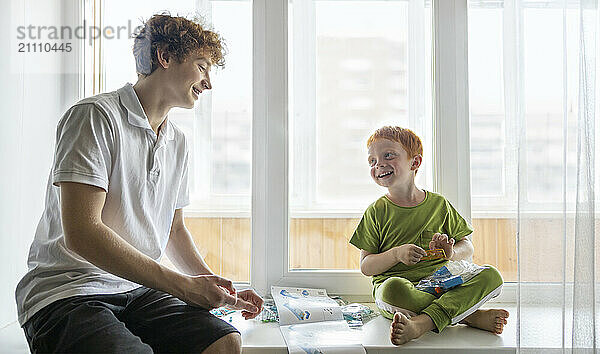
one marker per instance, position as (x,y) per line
(442,241)
(409,254)
(245,297)
(207,291)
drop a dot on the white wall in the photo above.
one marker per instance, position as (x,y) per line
(34,92)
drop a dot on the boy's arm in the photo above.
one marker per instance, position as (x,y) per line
(463,249)
(377,263)
(181,249)
(87,235)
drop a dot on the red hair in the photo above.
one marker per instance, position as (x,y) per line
(406,137)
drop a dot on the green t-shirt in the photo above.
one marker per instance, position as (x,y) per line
(385,225)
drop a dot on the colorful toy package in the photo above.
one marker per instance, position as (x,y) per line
(357,314)
(449,276)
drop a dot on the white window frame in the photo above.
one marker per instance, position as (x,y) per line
(270,183)
(452,161)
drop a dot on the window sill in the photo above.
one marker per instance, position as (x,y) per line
(266,338)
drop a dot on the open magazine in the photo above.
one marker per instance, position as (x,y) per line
(312,323)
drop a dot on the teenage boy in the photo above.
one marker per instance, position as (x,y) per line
(392,237)
(114,207)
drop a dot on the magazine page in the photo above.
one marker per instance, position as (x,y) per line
(313,323)
(302,305)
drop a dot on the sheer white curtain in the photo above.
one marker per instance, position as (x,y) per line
(35,90)
(585,326)
(553,111)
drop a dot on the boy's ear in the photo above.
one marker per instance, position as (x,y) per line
(163,57)
(416,162)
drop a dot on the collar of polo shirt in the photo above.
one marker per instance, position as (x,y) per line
(135,113)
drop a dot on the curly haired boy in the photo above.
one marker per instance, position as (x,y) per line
(113,208)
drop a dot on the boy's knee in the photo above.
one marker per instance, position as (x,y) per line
(229,343)
(402,293)
(394,287)
(491,276)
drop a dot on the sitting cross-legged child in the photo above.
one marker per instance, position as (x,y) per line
(393,235)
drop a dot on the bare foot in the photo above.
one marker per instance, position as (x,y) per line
(488,320)
(404,330)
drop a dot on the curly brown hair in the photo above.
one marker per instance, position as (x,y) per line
(178,37)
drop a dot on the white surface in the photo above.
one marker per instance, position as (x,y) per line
(12,339)
(327,337)
(265,338)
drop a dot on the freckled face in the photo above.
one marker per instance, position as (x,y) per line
(390,164)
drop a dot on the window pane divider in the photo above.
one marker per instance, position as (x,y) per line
(269,144)
(451,157)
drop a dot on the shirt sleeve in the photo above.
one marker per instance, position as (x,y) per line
(367,235)
(84,147)
(455,225)
(183,196)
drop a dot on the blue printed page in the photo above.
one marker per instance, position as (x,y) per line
(302,305)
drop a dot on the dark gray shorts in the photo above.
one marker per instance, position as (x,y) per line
(139,321)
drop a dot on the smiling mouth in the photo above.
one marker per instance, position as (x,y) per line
(196,91)
(385,174)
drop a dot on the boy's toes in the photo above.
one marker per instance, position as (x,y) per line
(398,323)
(401,317)
(501,316)
(499,327)
(396,327)
(398,334)
(397,341)
(397,330)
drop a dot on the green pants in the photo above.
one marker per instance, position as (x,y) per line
(451,307)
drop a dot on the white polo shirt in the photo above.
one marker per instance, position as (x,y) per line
(106,141)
